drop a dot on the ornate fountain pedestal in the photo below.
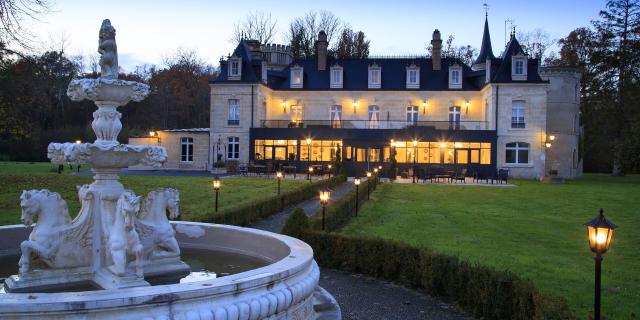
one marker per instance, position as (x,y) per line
(116,239)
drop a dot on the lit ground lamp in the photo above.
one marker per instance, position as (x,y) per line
(216,187)
(356,181)
(368,184)
(329,166)
(309,172)
(600,231)
(279,177)
(324,199)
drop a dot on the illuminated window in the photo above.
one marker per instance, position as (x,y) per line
(335,115)
(296,113)
(454,118)
(374,154)
(374,117)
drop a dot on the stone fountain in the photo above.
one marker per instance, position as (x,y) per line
(110,243)
(120,244)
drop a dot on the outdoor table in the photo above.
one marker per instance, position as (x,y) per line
(290,169)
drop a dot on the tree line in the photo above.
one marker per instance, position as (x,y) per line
(607,53)
(35,109)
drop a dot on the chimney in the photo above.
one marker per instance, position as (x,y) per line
(436,50)
(321,47)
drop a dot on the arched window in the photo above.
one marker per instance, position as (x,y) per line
(517,153)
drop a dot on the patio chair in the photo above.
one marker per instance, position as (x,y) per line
(460,176)
(503,175)
(243,168)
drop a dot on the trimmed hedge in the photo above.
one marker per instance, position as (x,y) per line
(339,213)
(482,291)
(247,214)
(296,224)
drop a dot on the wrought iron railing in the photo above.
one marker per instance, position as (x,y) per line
(383,124)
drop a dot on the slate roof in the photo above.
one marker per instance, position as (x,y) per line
(485,49)
(355,75)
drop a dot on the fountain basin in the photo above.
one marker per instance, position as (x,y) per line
(106,155)
(109,91)
(286,288)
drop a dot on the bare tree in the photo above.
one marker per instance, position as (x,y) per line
(536,42)
(12,15)
(304,31)
(256,26)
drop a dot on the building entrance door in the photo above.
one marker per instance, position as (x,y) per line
(280,153)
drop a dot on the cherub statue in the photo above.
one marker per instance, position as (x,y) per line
(108,51)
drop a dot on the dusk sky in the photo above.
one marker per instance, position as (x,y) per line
(149,30)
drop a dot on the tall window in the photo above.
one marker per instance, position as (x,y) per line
(517,114)
(296,77)
(454,118)
(296,114)
(235,67)
(455,76)
(374,117)
(233,148)
(412,114)
(186,149)
(234,112)
(519,67)
(336,77)
(413,77)
(374,77)
(517,153)
(336,116)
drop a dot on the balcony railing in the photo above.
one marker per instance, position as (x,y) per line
(384,124)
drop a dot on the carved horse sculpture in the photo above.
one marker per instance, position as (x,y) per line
(156,233)
(55,240)
(123,238)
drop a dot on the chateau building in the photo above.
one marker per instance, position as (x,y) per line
(501,112)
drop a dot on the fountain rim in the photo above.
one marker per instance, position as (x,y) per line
(299,259)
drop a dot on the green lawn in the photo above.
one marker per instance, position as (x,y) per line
(196,193)
(533,229)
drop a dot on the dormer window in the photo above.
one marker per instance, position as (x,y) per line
(336,77)
(519,68)
(413,77)
(235,68)
(296,76)
(374,76)
(455,77)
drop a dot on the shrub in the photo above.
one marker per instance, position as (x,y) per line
(339,213)
(296,224)
(482,291)
(248,213)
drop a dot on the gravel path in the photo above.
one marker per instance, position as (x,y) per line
(275,222)
(361,297)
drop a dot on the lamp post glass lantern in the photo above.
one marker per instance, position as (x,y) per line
(324,199)
(600,233)
(216,187)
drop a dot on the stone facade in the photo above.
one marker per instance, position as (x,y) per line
(171,141)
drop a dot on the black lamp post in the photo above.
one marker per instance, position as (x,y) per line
(356,181)
(375,177)
(324,199)
(216,187)
(368,184)
(329,167)
(415,155)
(308,150)
(309,172)
(600,232)
(279,177)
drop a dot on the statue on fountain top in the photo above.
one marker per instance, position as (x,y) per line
(108,51)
